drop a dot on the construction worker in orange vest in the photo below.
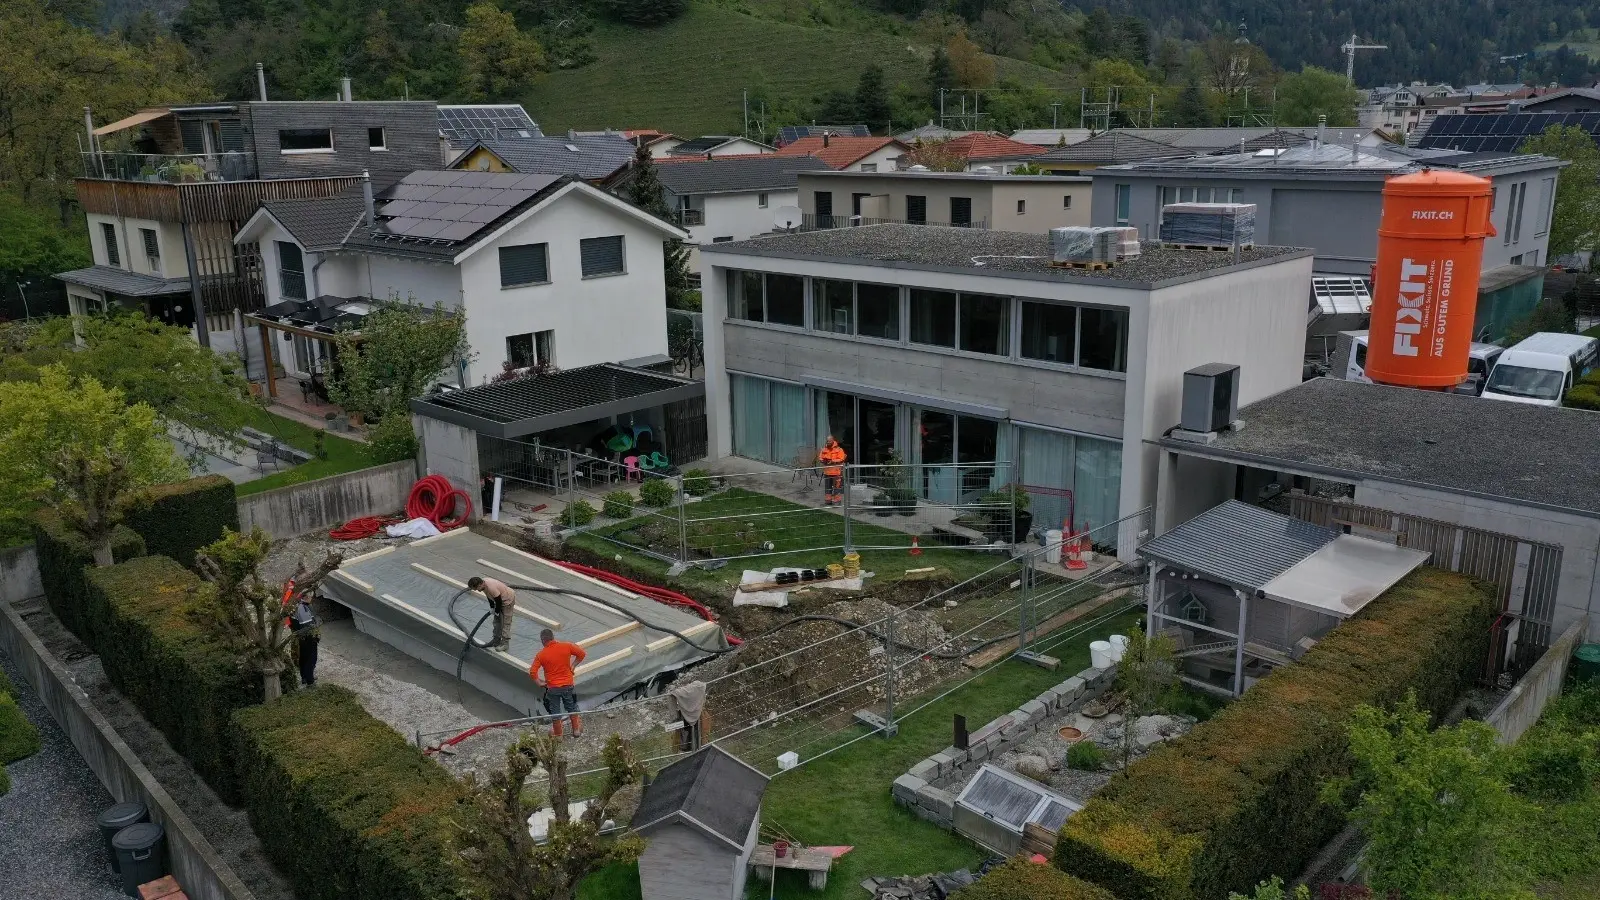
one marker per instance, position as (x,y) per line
(832,459)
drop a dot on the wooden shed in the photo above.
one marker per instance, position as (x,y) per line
(701,816)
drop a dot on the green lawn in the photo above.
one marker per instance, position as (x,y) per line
(784,524)
(844,798)
(344,455)
(1592,332)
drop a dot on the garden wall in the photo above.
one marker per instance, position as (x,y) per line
(322,504)
(1239,798)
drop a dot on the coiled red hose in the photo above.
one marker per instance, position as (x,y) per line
(658,594)
(433,498)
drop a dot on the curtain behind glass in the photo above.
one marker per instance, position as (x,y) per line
(1098,486)
(750,425)
(1047,462)
(789,423)
(1003,472)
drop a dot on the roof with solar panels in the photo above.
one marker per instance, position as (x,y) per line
(430,214)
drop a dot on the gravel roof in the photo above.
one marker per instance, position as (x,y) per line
(1535,454)
(1003,254)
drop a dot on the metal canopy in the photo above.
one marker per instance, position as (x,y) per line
(1239,545)
(1344,576)
(511,409)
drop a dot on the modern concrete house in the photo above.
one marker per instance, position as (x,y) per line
(1030,203)
(1330,199)
(958,346)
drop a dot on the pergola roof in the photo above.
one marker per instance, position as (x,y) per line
(539,403)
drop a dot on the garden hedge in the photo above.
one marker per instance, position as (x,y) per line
(177,519)
(156,653)
(344,806)
(1237,799)
(1019,879)
(18,738)
(64,555)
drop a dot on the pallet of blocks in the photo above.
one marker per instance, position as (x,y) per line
(1208,226)
(1084,247)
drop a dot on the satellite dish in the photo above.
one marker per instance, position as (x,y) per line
(787,218)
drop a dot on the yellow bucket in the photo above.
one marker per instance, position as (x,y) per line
(852,565)
(835,570)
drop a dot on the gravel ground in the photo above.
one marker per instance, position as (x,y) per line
(227,829)
(49,845)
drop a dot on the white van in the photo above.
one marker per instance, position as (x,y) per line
(1542,368)
(1480,361)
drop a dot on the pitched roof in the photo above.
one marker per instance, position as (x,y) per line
(710,791)
(320,224)
(588,156)
(120,281)
(1582,93)
(491,121)
(1112,147)
(700,146)
(981,145)
(790,133)
(1051,137)
(1242,545)
(840,151)
(735,174)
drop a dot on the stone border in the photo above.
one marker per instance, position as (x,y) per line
(199,868)
(915,790)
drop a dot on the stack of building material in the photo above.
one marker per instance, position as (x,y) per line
(1219,225)
(1078,245)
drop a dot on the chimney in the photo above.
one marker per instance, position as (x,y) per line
(1322,129)
(825,138)
(261,81)
(372,207)
(344,89)
(572,134)
(88,126)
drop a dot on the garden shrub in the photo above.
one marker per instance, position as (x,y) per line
(577,514)
(391,440)
(184,680)
(618,505)
(1584,396)
(698,483)
(1239,797)
(344,806)
(64,555)
(1086,756)
(177,519)
(18,738)
(1019,879)
(658,492)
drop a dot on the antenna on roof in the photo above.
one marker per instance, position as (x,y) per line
(787,218)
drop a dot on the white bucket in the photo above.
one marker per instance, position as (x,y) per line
(1119,646)
(1052,546)
(1100,654)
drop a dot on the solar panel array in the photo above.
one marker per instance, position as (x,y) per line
(788,134)
(1501,133)
(446,207)
(464,124)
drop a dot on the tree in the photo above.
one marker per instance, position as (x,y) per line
(499,59)
(500,851)
(79,447)
(872,98)
(971,68)
(1099,34)
(1273,890)
(1233,67)
(836,107)
(1435,806)
(644,190)
(1191,109)
(937,156)
(1133,40)
(401,349)
(1313,92)
(941,75)
(1146,677)
(36,246)
(644,12)
(248,613)
(1575,222)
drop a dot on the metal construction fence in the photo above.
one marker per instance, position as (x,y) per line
(823,680)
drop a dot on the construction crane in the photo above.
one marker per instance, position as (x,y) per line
(1350,47)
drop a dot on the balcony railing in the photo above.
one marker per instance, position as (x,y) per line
(814,222)
(171,168)
(691,217)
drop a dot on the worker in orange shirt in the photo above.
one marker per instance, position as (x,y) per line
(558,659)
(832,458)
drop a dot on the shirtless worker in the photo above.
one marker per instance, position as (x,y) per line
(504,601)
(558,659)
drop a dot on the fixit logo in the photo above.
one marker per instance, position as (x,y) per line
(1438,215)
(1408,317)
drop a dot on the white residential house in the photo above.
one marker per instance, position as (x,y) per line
(732,198)
(715,145)
(549,269)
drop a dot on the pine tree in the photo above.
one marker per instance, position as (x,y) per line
(941,74)
(1191,108)
(872,98)
(644,190)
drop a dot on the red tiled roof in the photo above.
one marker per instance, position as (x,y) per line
(988,145)
(841,151)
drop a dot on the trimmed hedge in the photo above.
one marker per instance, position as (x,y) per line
(18,738)
(177,519)
(64,555)
(1019,879)
(185,682)
(1237,799)
(343,805)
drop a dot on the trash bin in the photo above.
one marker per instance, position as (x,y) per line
(141,855)
(117,818)
(1586,663)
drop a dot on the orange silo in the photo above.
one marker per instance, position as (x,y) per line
(1425,284)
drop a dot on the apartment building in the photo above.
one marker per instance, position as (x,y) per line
(1029,203)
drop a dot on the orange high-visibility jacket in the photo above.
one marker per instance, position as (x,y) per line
(831,458)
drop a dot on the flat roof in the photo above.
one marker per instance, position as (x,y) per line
(1333,162)
(999,254)
(522,406)
(908,174)
(1350,430)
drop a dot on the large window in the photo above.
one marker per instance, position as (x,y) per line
(834,305)
(1547,193)
(1103,339)
(524,264)
(916,209)
(291,271)
(1049,332)
(985,324)
(306,140)
(961,212)
(769,420)
(602,256)
(933,317)
(848,307)
(767,297)
(537,348)
(1124,200)
(1089,468)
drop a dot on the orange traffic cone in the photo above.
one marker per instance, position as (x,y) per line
(1074,546)
(916,548)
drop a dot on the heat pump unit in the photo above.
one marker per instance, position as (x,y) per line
(1210,398)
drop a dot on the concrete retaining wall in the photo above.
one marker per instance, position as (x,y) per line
(1542,683)
(322,504)
(915,790)
(19,573)
(203,874)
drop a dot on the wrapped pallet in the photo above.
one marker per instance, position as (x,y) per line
(1218,225)
(1072,245)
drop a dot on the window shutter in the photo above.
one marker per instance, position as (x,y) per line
(916,209)
(601,256)
(523,264)
(232,135)
(151,248)
(110,232)
(193,133)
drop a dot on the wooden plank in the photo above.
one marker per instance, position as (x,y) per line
(366,556)
(702,628)
(439,537)
(447,626)
(520,610)
(604,636)
(1000,651)
(352,579)
(536,582)
(606,660)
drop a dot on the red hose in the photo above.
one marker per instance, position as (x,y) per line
(658,594)
(426,495)
(433,498)
(364,527)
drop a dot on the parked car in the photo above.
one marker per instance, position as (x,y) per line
(1542,368)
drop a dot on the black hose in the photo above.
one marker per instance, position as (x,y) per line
(471,633)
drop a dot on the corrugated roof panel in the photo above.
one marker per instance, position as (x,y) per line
(1238,544)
